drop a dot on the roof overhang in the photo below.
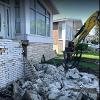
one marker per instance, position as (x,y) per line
(52,7)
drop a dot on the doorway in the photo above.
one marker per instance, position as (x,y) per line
(4,22)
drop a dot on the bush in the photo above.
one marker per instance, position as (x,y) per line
(92,50)
(94,42)
(82,46)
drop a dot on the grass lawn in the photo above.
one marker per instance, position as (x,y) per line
(87,56)
(91,55)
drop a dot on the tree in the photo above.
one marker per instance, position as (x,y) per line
(96,35)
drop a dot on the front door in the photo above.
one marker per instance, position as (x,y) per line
(4,22)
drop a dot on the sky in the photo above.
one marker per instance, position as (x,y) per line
(78,9)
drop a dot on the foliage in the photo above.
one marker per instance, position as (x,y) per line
(96,36)
(82,46)
(94,41)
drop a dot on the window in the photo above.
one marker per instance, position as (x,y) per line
(60,30)
(48,14)
(32,4)
(48,26)
(32,22)
(69,33)
(40,8)
(40,24)
(17,16)
(32,17)
(48,23)
(0,22)
(39,19)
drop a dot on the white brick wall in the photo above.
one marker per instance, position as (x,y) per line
(36,50)
(11,61)
(11,58)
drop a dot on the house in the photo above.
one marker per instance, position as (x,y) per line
(27,24)
(29,20)
(64,30)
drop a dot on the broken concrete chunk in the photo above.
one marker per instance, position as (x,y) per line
(27,85)
(51,70)
(69,84)
(53,93)
(86,79)
(68,95)
(60,68)
(52,83)
(73,73)
(29,95)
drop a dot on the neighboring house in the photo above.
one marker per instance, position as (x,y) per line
(64,30)
(28,20)
(27,24)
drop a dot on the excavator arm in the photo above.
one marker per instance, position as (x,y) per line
(86,28)
(83,32)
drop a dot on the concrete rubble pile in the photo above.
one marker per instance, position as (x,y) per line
(53,83)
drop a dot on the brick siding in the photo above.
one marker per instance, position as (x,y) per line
(36,50)
(11,61)
(12,64)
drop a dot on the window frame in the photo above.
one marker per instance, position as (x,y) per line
(45,15)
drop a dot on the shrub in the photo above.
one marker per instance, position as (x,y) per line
(82,46)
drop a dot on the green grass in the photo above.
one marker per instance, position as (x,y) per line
(91,55)
(89,65)
(87,56)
